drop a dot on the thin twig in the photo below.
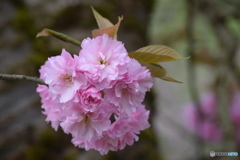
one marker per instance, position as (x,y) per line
(21,77)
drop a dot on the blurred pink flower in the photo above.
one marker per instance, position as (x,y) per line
(235,110)
(206,125)
(210,131)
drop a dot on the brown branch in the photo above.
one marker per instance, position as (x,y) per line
(192,80)
(191,47)
(21,77)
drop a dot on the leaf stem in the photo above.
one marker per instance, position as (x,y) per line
(21,77)
(61,36)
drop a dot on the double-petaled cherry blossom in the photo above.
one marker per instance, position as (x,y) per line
(62,77)
(96,96)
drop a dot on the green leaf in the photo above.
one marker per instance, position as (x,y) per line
(61,36)
(158,71)
(101,21)
(155,54)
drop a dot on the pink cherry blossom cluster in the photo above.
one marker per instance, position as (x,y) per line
(96,96)
(206,126)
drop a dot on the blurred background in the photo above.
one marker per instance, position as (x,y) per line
(188,120)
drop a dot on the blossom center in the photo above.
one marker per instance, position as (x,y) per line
(125,89)
(103,59)
(86,120)
(67,80)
